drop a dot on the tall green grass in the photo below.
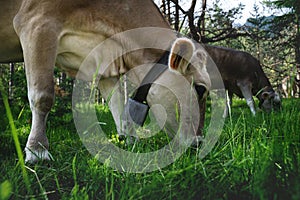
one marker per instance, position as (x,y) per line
(16,140)
(255,158)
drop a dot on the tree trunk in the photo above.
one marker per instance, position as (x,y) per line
(191,17)
(166,9)
(163,7)
(201,22)
(11,82)
(176,20)
(297,44)
(169,11)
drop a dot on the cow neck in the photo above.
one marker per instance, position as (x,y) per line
(263,85)
(151,76)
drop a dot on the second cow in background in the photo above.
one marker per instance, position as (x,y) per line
(243,75)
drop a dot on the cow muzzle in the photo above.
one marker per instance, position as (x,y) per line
(270,101)
(201,91)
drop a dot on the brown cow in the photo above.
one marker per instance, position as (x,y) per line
(48,33)
(243,75)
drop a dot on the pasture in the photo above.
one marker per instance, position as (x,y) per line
(255,158)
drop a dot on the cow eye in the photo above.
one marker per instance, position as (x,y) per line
(200,89)
(188,68)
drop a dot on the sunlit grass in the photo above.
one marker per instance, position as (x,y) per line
(15,137)
(255,158)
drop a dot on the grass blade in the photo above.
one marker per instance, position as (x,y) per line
(15,136)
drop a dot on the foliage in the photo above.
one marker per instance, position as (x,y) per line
(294,5)
(219,24)
(291,19)
(14,83)
(63,92)
(206,25)
(5,190)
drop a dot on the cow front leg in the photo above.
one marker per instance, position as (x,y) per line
(39,41)
(37,144)
(229,96)
(202,109)
(246,91)
(115,97)
(41,96)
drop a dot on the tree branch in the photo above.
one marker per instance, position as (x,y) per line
(179,7)
(232,34)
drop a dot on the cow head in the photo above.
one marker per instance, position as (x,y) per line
(269,100)
(190,62)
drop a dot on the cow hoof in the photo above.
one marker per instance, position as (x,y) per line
(33,156)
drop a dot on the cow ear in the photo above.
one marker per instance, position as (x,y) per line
(266,95)
(181,54)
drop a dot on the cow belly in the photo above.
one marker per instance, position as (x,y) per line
(10,48)
(11,55)
(74,47)
(233,88)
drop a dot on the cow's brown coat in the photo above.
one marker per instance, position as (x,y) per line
(45,33)
(243,75)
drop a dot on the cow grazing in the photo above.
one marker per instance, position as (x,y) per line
(243,75)
(62,33)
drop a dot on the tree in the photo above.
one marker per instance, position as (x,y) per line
(286,30)
(13,79)
(204,26)
(291,18)
(220,24)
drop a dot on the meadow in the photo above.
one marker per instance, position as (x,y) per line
(254,158)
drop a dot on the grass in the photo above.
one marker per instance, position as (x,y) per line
(255,158)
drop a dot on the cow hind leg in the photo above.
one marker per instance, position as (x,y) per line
(227,109)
